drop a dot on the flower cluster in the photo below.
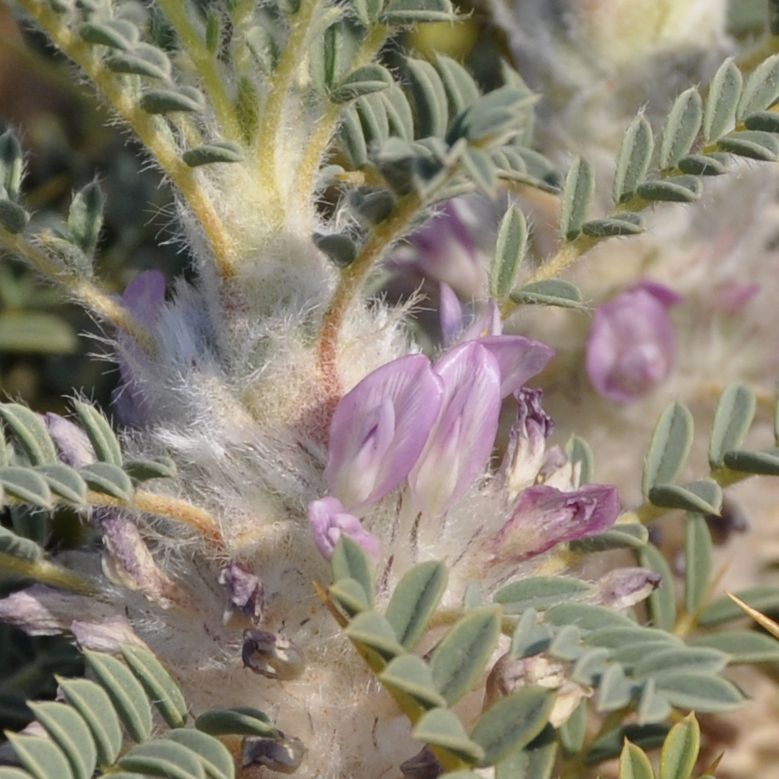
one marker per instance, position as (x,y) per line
(430,428)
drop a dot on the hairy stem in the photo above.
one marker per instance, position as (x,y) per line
(150,130)
(178,510)
(179,15)
(353,277)
(86,292)
(47,573)
(328,124)
(273,111)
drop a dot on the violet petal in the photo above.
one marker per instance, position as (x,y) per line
(450,313)
(329,520)
(464,433)
(145,294)
(545,517)
(518,358)
(379,430)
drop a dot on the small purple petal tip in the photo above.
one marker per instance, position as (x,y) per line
(329,520)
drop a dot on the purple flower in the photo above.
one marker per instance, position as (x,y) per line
(461,441)
(518,358)
(379,430)
(329,519)
(545,517)
(527,441)
(144,297)
(631,345)
(244,594)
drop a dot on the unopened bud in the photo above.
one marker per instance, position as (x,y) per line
(244,595)
(279,754)
(271,655)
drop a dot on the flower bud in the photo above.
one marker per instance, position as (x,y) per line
(631,346)
(244,594)
(283,754)
(271,655)
(71,441)
(329,520)
(527,441)
(379,430)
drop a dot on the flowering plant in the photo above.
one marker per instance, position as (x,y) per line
(338,533)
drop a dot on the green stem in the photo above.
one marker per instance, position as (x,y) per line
(327,125)
(273,112)
(179,14)
(86,292)
(47,573)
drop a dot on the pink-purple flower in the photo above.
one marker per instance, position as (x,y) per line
(379,429)
(545,516)
(631,346)
(329,520)
(461,441)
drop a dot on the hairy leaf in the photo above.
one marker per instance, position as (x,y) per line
(414,601)
(462,655)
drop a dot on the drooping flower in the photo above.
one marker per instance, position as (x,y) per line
(244,594)
(527,441)
(329,520)
(379,430)
(461,441)
(545,516)
(631,346)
